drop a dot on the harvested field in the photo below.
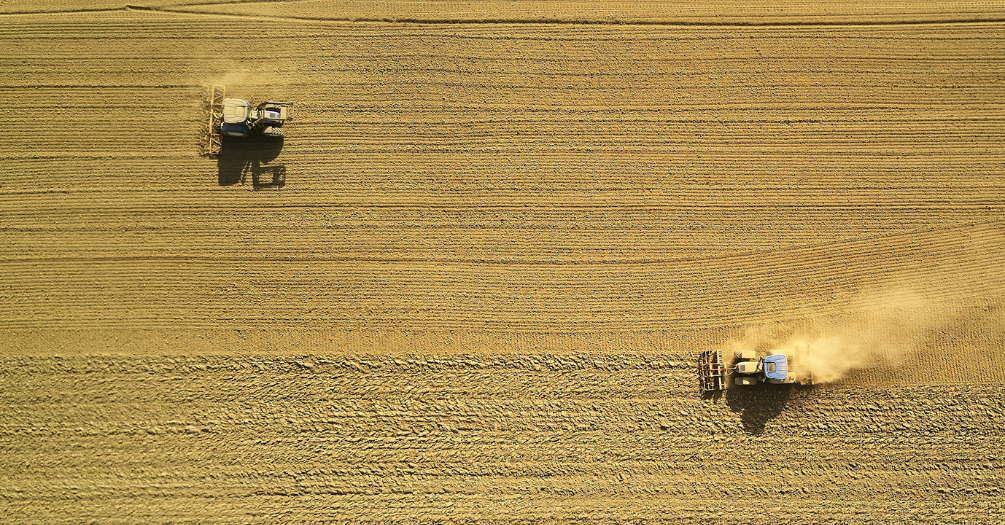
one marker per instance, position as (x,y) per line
(504,231)
(498,439)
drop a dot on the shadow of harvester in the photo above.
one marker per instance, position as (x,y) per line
(756,405)
(241,158)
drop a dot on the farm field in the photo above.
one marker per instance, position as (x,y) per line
(504,230)
(504,439)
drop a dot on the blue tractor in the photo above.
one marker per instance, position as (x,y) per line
(752,368)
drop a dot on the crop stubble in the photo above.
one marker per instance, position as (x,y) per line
(624,193)
(501,439)
(499,177)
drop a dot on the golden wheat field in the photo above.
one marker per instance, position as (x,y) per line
(471,283)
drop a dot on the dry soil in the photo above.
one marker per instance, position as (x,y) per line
(502,233)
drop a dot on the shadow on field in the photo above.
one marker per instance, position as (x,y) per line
(240,159)
(756,405)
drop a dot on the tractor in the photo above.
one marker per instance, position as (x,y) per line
(241,119)
(750,368)
(235,117)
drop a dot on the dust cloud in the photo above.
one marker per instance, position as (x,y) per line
(255,83)
(877,330)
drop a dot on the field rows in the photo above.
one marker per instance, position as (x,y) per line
(440,295)
(516,178)
(569,137)
(585,11)
(588,11)
(704,178)
(509,235)
(479,294)
(422,438)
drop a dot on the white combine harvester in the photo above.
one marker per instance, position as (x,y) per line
(750,368)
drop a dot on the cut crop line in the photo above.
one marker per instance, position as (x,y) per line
(34,87)
(519,21)
(65,11)
(942,204)
(904,238)
(578,22)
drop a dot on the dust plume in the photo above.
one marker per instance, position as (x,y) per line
(877,330)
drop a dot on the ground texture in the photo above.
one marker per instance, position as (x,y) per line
(471,282)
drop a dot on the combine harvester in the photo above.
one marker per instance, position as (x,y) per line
(750,369)
(235,117)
